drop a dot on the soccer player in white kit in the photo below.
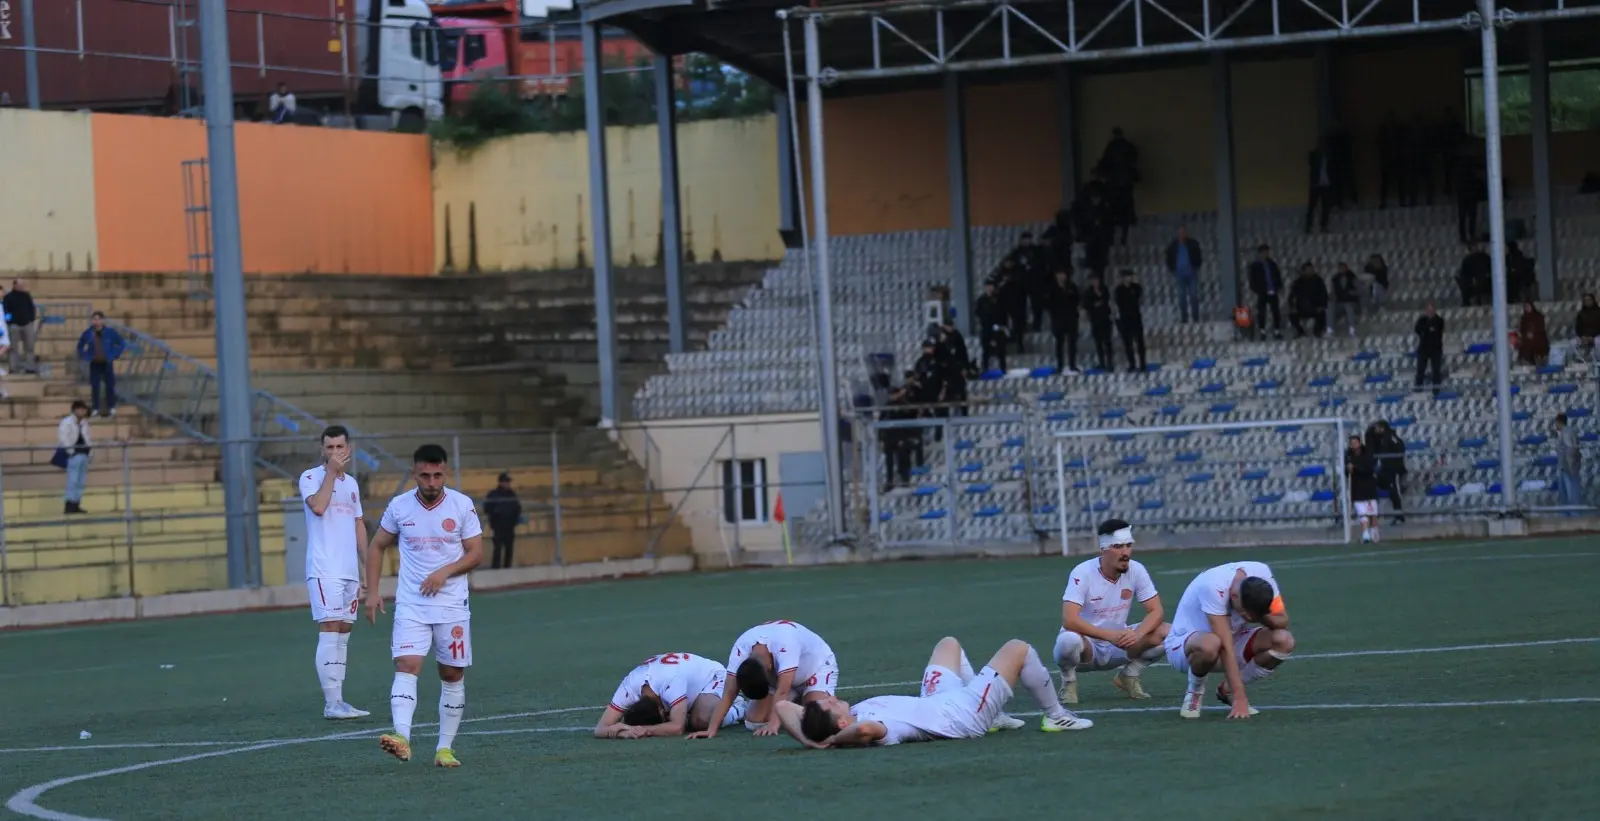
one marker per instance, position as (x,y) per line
(666,695)
(334,535)
(1095,634)
(1232,614)
(774,662)
(955,703)
(440,539)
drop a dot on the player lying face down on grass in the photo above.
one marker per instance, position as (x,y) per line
(667,695)
(1095,634)
(954,703)
(772,663)
(1233,615)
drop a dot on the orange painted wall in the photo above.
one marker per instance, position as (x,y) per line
(886,163)
(1013,152)
(310,199)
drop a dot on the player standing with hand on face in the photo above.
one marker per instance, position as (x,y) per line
(334,535)
(440,540)
(1217,621)
(1095,634)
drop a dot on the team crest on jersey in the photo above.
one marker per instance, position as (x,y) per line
(449,525)
(1127,594)
(456,632)
(352,496)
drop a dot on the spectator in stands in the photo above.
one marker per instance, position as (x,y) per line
(1119,163)
(1474,277)
(73,444)
(1032,274)
(932,389)
(504,512)
(991,324)
(1058,241)
(894,442)
(1362,469)
(1379,271)
(1522,283)
(22,321)
(1389,449)
(1096,302)
(1014,299)
(1092,218)
(1183,262)
(1266,282)
(956,362)
(1533,341)
(100,347)
(1063,305)
(1130,319)
(1430,345)
(1308,299)
(1569,461)
(1320,184)
(1587,327)
(1391,170)
(280,106)
(1471,189)
(1346,299)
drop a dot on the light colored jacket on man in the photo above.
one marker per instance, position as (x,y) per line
(1568,456)
(67,433)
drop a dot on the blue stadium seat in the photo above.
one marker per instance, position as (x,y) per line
(1222,407)
(1493,490)
(1085,484)
(1020,464)
(1171,410)
(1042,371)
(1416,446)
(1014,442)
(1078,462)
(1187,456)
(1323,495)
(1255,362)
(1402,422)
(1095,371)
(1471,443)
(964,444)
(1550,369)
(1486,464)
(1323,382)
(1152,367)
(1213,387)
(988,511)
(971,467)
(1533,440)
(1198,478)
(1364,356)
(1133,459)
(992,374)
(1231,432)
(1442,490)
(1300,450)
(927,490)
(1333,402)
(1378,378)
(921,470)
(1151,504)
(1177,434)
(1097,507)
(1159,390)
(1268,499)
(1548,460)
(1312,471)
(1590,436)
(885,516)
(1391,399)
(1287,429)
(1113,413)
(979,488)
(930,515)
(1447,396)
(1062,416)
(1480,348)
(1045,509)
(1142,481)
(1202,363)
(1578,413)
(1121,437)
(1521,416)
(1563,388)
(1254,475)
(1052,396)
(1268,385)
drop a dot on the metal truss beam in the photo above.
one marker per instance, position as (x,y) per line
(922,38)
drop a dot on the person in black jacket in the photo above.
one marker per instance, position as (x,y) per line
(1014,299)
(1346,298)
(1390,450)
(1266,282)
(22,317)
(992,321)
(1475,276)
(1430,346)
(1362,470)
(957,363)
(1308,299)
(1063,305)
(894,442)
(1096,301)
(504,511)
(1130,320)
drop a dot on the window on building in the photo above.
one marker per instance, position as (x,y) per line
(744,491)
(1574,98)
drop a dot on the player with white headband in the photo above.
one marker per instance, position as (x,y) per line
(1095,634)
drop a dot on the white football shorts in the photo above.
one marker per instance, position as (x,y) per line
(451,642)
(334,599)
(968,710)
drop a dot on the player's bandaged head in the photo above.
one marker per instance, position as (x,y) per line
(754,683)
(1256,598)
(1115,532)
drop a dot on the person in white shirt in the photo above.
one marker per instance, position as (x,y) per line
(667,695)
(74,443)
(280,106)
(774,662)
(955,703)
(334,535)
(1232,615)
(440,540)
(1095,634)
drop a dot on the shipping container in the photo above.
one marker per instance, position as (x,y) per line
(137,55)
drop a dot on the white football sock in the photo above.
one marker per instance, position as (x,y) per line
(329,669)
(1253,672)
(1136,664)
(452,705)
(1036,679)
(343,645)
(403,703)
(1197,684)
(1069,650)
(966,668)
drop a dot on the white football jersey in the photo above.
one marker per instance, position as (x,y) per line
(673,677)
(793,647)
(431,538)
(1106,603)
(906,718)
(1208,594)
(332,551)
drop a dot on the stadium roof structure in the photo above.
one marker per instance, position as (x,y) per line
(910,38)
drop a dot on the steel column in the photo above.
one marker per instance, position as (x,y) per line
(600,219)
(1227,231)
(671,222)
(233,343)
(1067,117)
(1497,251)
(1543,199)
(955,135)
(788,201)
(828,413)
(30,57)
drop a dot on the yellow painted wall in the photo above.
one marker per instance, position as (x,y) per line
(1274,130)
(1167,114)
(527,197)
(47,218)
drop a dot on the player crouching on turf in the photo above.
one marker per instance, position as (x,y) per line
(774,662)
(667,695)
(1214,623)
(952,705)
(1094,633)
(441,540)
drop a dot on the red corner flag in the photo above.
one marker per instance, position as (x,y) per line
(777,510)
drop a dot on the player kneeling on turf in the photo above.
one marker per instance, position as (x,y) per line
(667,695)
(440,540)
(1217,622)
(1095,634)
(955,703)
(774,662)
